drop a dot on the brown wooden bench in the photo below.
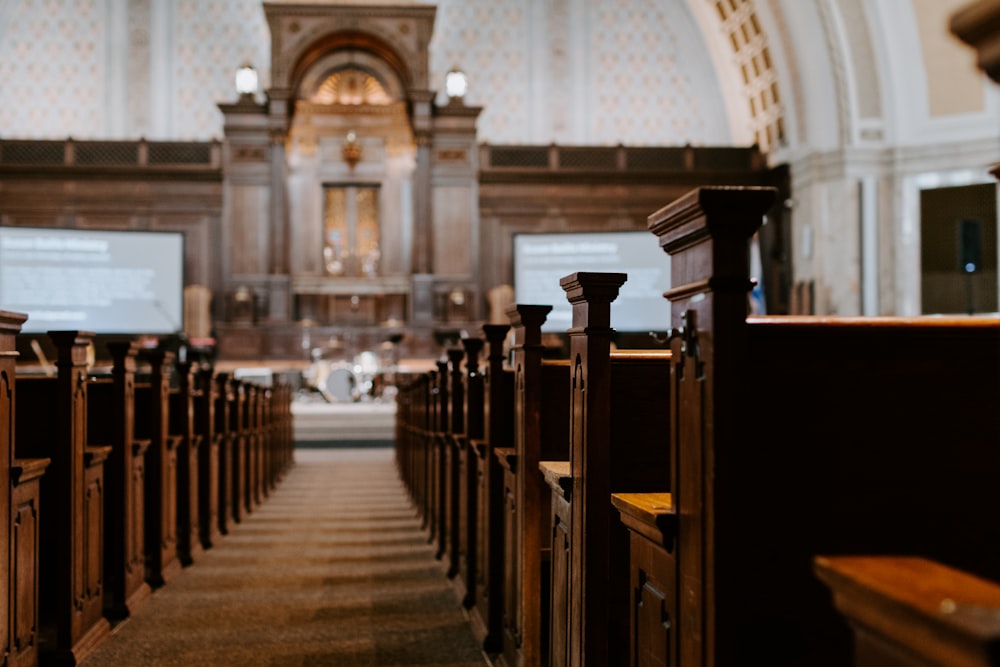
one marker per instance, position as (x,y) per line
(184,393)
(797,437)
(913,612)
(111,421)
(453,436)
(486,615)
(206,400)
(473,408)
(439,468)
(152,419)
(541,432)
(619,444)
(225,431)
(51,422)
(238,419)
(19,540)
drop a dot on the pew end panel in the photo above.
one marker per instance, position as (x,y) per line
(652,523)
(24,566)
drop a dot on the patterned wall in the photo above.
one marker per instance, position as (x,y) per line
(563,71)
(52,68)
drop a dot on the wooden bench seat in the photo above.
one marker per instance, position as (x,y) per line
(798,437)
(910,611)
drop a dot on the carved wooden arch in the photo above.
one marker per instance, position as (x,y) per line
(349,40)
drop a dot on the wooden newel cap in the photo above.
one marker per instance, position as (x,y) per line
(71,346)
(591,294)
(10,326)
(711,212)
(495,332)
(527,321)
(473,346)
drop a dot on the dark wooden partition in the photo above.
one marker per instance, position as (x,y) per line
(183,397)
(453,437)
(206,402)
(51,422)
(225,398)
(152,409)
(796,437)
(111,420)
(441,473)
(19,536)
(619,443)
(541,432)
(473,408)
(498,433)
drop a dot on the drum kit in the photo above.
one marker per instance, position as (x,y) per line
(367,376)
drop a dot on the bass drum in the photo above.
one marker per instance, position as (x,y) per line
(341,385)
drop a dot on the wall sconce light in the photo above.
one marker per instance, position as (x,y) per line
(456,84)
(246,80)
(352,150)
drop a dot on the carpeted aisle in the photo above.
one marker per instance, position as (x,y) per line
(332,569)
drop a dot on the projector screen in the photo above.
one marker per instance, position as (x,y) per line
(108,282)
(541,260)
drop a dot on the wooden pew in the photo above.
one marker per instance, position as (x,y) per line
(238,420)
(913,612)
(111,421)
(441,476)
(51,422)
(183,396)
(413,438)
(152,418)
(618,444)
(205,422)
(452,446)
(486,616)
(541,432)
(795,437)
(225,428)
(472,420)
(19,539)
(251,447)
